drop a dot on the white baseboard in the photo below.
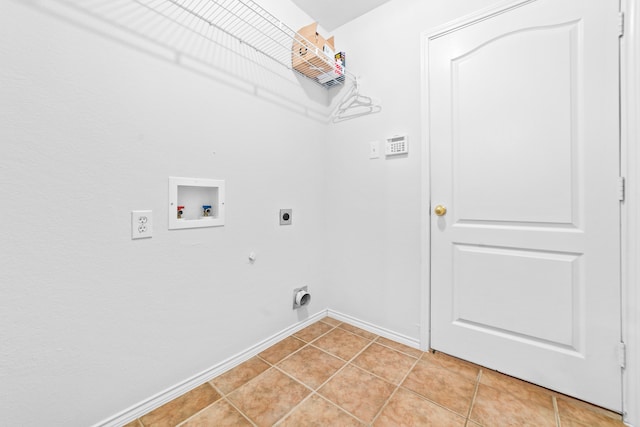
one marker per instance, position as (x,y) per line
(403,339)
(148,405)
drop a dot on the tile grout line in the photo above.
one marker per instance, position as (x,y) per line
(408,390)
(323,383)
(399,351)
(261,358)
(309,343)
(233,405)
(306,344)
(556,410)
(342,368)
(340,408)
(244,383)
(347,362)
(196,413)
(271,365)
(315,393)
(421,358)
(357,334)
(296,380)
(285,357)
(473,398)
(386,403)
(223,396)
(418,359)
(381,378)
(332,327)
(415,393)
(317,336)
(297,405)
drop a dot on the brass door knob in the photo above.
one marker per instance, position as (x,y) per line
(440,210)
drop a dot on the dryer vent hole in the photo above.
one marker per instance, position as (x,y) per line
(301,297)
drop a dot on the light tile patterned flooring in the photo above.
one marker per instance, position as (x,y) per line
(334,374)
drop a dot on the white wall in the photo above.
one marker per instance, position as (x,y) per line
(374,207)
(92,322)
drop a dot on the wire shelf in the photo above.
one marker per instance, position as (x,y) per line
(254,27)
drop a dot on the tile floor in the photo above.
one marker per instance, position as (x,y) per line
(334,374)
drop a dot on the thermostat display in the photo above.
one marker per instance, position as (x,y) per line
(396,145)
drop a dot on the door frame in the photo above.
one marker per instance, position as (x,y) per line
(630,164)
(630,209)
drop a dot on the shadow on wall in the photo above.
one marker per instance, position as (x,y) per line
(167,31)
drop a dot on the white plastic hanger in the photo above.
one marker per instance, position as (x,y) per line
(355,105)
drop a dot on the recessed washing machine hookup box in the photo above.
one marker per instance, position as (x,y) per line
(195,202)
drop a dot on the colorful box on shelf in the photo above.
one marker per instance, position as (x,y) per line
(335,74)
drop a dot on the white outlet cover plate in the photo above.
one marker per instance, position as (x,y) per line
(374,149)
(141,224)
(289,213)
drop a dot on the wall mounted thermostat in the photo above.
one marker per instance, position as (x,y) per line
(396,145)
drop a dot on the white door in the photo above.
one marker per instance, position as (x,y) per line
(524,156)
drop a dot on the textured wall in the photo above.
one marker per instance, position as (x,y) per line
(375,205)
(93,122)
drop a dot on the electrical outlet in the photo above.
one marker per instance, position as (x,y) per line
(286,216)
(141,224)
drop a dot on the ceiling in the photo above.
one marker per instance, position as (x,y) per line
(331,14)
